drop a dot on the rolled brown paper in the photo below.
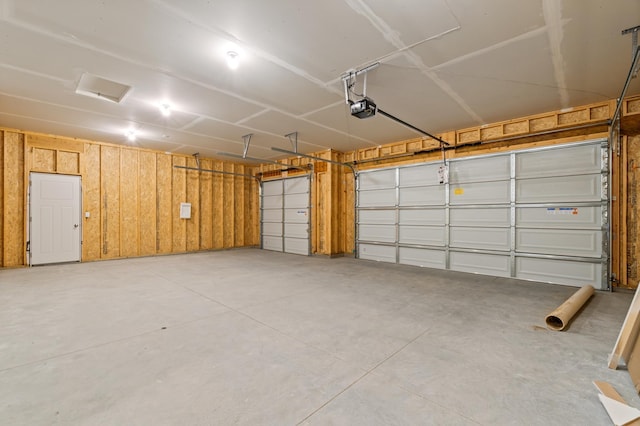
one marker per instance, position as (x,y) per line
(559,319)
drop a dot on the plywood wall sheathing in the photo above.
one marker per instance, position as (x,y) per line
(218,218)
(633,211)
(147,203)
(193,197)
(67,162)
(239,205)
(179,195)
(110,200)
(228,208)
(164,203)
(43,160)
(2,211)
(129,203)
(206,206)
(14,249)
(91,202)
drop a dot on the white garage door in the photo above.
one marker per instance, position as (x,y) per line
(533,214)
(285,215)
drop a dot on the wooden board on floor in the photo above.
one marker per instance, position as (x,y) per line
(628,334)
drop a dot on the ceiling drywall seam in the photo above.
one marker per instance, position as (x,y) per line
(92,48)
(258,52)
(392,37)
(551,11)
(479,52)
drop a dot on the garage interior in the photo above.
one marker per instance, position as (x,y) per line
(341,213)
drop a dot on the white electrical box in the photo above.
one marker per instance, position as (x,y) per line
(185,210)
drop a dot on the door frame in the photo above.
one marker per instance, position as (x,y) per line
(29,217)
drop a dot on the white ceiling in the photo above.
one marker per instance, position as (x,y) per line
(445,65)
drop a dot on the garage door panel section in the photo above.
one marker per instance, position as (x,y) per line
(422,217)
(272,215)
(296,215)
(480,238)
(480,263)
(589,217)
(423,175)
(378,233)
(272,243)
(481,193)
(272,229)
(426,258)
(563,242)
(492,168)
(377,252)
(377,198)
(379,179)
(557,271)
(422,196)
(272,202)
(296,246)
(576,160)
(562,189)
(497,217)
(377,217)
(422,235)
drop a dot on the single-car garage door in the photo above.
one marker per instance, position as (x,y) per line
(285,215)
(538,214)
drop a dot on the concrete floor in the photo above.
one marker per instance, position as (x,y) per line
(256,337)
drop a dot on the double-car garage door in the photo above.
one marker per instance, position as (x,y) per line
(533,214)
(285,215)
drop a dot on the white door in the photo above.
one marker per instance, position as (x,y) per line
(55,213)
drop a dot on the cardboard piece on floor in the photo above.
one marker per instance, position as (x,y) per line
(607,390)
(620,414)
(628,334)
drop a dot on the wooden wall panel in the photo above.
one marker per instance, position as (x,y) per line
(193,197)
(217,216)
(206,206)
(229,203)
(2,211)
(91,202)
(14,200)
(110,200)
(633,212)
(68,162)
(164,202)
(179,195)
(129,203)
(147,203)
(43,160)
(238,207)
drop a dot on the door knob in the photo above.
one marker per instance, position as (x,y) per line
(75,225)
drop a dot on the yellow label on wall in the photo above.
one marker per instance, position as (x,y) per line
(458,191)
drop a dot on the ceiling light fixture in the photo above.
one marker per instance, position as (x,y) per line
(165,109)
(131,135)
(232,59)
